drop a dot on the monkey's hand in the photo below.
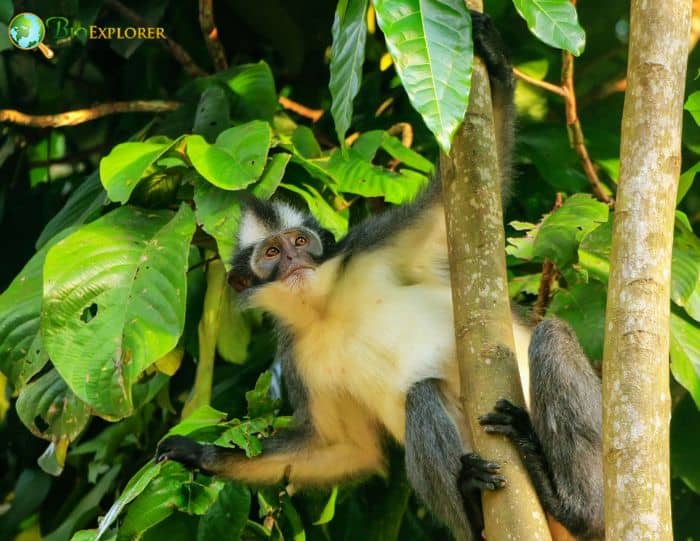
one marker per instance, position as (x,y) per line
(187,452)
(513,422)
(479,474)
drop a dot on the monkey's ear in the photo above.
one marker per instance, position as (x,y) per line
(238,281)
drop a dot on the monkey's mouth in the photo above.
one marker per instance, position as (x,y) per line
(296,271)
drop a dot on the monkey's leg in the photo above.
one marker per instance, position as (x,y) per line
(434,463)
(295,455)
(560,442)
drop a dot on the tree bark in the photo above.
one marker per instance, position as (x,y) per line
(483,327)
(635,361)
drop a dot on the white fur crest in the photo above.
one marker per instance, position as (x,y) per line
(253,228)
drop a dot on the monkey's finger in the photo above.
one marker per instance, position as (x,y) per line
(506,430)
(494,418)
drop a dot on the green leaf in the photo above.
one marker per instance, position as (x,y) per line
(83,203)
(244,435)
(685,354)
(686,179)
(236,159)
(104,322)
(29,492)
(22,352)
(396,150)
(235,330)
(49,409)
(203,417)
(347,56)
(293,518)
(219,212)
(583,307)
(127,163)
(254,87)
(329,219)
(157,501)
(429,43)
(136,485)
(329,509)
(272,176)
(353,174)
(561,231)
(594,251)
(305,142)
(692,105)
(258,399)
(685,270)
(227,518)
(685,442)
(555,22)
(212,115)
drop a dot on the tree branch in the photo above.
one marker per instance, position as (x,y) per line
(211,35)
(301,110)
(549,274)
(79,116)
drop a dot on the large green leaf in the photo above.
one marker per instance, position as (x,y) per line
(50,410)
(254,88)
(555,22)
(126,164)
(347,56)
(429,42)
(22,352)
(212,115)
(114,302)
(685,354)
(236,159)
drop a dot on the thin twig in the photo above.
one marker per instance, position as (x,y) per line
(549,87)
(549,275)
(79,116)
(574,127)
(211,35)
(189,65)
(301,110)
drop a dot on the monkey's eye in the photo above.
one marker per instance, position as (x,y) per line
(272,251)
(301,241)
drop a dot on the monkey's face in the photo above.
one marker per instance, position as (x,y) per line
(289,256)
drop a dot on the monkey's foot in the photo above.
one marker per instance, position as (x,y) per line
(511,421)
(180,449)
(479,474)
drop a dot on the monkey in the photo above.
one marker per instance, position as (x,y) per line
(366,342)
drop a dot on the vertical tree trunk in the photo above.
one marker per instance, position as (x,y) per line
(635,371)
(483,327)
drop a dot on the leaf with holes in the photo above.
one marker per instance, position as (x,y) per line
(429,43)
(236,159)
(114,302)
(51,410)
(347,56)
(555,22)
(22,352)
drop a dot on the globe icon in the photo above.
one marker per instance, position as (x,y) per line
(26,31)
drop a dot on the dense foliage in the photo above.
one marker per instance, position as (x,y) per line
(115,315)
